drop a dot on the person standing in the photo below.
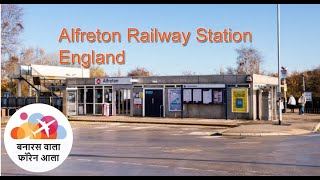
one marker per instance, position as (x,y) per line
(302,102)
(292,103)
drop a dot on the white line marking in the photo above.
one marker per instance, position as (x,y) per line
(108,161)
(131,163)
(158,166)
(184,168)
(84,160)
(100,127)
(246,143)
(210,170)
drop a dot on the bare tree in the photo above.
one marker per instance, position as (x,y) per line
(249,60)
(139,71)
(11,28)
(188,73)
(231,71)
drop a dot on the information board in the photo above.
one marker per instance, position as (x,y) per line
(197,95)
(239,100)
(217,97)
(174,99)
(187,96)
(207,96)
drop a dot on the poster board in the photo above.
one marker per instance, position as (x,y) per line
(217,97)
(137,101)
(187,96)
(239,100)
(207,96)
(308,96)
(197,96)
(174,99)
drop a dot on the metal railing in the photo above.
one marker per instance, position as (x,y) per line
(28,73)
(12,104)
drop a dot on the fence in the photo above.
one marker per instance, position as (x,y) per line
(312,107)
(12,104)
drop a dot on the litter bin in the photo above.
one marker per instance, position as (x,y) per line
(106,109)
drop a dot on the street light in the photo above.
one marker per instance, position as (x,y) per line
(279,71)
(303,83)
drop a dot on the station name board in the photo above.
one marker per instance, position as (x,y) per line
(103,81)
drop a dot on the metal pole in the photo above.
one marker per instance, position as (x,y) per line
(303,83)
(279,72)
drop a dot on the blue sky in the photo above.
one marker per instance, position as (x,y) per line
(300,27)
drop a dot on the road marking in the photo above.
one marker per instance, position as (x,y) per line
(84,160)
(100,127)
(201,133)
(210,137)
(155,147)
(152,165)
(107,161)
(246,143)
(131,163)
(138,128)
(184,168)
(210,170)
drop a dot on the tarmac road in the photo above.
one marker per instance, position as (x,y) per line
(157,150)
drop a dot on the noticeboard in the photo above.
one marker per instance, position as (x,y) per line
(239,100)
(197,96)
(308,96)
(207,96)
(187,96)
(174,99)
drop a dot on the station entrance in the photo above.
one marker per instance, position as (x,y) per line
(154,103)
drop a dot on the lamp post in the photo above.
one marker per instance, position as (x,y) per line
(279,71)
(19,80)
(303,83)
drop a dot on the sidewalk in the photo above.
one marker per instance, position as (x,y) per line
(292,124)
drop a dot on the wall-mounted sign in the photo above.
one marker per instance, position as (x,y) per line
(239,100)
(217,97)
(137,101)
(103,81)
(174,99)
(197,95)
(308,96)
(187,95)
(207,96)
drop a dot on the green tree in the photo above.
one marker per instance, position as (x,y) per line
(97,72)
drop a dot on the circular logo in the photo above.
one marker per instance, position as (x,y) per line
(98,81)
(38,138)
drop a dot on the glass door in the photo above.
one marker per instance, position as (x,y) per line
(71,102)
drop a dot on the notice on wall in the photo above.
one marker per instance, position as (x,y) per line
(207,96)
(308,96)
(137,101)
(197,95)
(187,97)
(217,97)
(174,99)
(240,100)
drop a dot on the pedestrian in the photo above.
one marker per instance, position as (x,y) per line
(302,102)
(292,103)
